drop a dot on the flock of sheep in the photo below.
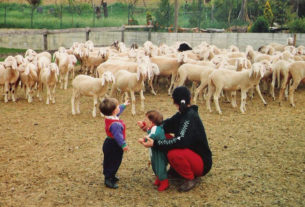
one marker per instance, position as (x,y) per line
(218,72)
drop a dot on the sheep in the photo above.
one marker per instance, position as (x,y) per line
(131,82)
(297,72)
(93,59)
(66,64)
(49,77)
(8,77)
(28,78)
(84,85)
(169,66)
(233,80)
(279,68)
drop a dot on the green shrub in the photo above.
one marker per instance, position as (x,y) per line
(297,25)
(260,25)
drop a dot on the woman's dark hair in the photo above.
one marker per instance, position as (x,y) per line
(155,117)
(182,97)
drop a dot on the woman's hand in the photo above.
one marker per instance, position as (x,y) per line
(146,142)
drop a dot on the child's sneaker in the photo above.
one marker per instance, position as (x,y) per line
(163,185)
(109,182)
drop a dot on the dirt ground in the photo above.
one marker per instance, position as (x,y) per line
(50,158)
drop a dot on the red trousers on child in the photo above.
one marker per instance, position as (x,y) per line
(186,163)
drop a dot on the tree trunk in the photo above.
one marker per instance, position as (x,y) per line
(243,14)
(176,15)
(4,14)
(32,14)
(61,16)
(105,9)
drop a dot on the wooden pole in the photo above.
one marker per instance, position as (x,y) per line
(45,40)
(122,35)
(149,34)
(87,33)
(294,39)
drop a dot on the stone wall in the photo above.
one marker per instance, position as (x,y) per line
(222,40)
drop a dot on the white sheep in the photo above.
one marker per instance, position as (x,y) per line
(169,66)
(234,80)
(84,85)
(66,64)
(48,78)
(126,81)
(297,72)
(8,77)
(28,78)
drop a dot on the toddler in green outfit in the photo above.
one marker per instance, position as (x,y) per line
(152,122)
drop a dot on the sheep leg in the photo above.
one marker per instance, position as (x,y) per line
(260,94)
(6,89)
(198,91)
(227,97)
(292,88)
(216,97)
(142,100)
(208,98)
(243,101)
(150,82)
(233,97)
(272,86)
(94,106)
(251,93)
(133,102)
(39,91)
(73,102)
(171,84)
(13,92)
(29,92)
(48,95)
(66,81)
(283,87)
(61,81)
(77,103)
(53,94)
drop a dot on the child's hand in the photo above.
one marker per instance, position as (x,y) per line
(126,103)
(125,149)
(140,124)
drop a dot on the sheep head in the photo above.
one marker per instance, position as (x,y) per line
(142,70)
(107,77)
(182,57)
(54,68)
(257,70)
(11,62)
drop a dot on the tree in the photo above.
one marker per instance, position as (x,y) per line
(196,18)
(72,9)
(260,25)
(280,11)
(243,14)
(165,13)
(268,13)
(34,4)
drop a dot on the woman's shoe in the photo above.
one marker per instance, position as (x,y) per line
(163,185)
(189,184)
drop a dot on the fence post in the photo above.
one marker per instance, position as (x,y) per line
(87,33)
(45,39)
(149,34)
(294,39)
(122,36)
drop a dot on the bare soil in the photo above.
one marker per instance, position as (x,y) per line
(50,158)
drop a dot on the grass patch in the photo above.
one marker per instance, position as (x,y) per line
(11,50)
